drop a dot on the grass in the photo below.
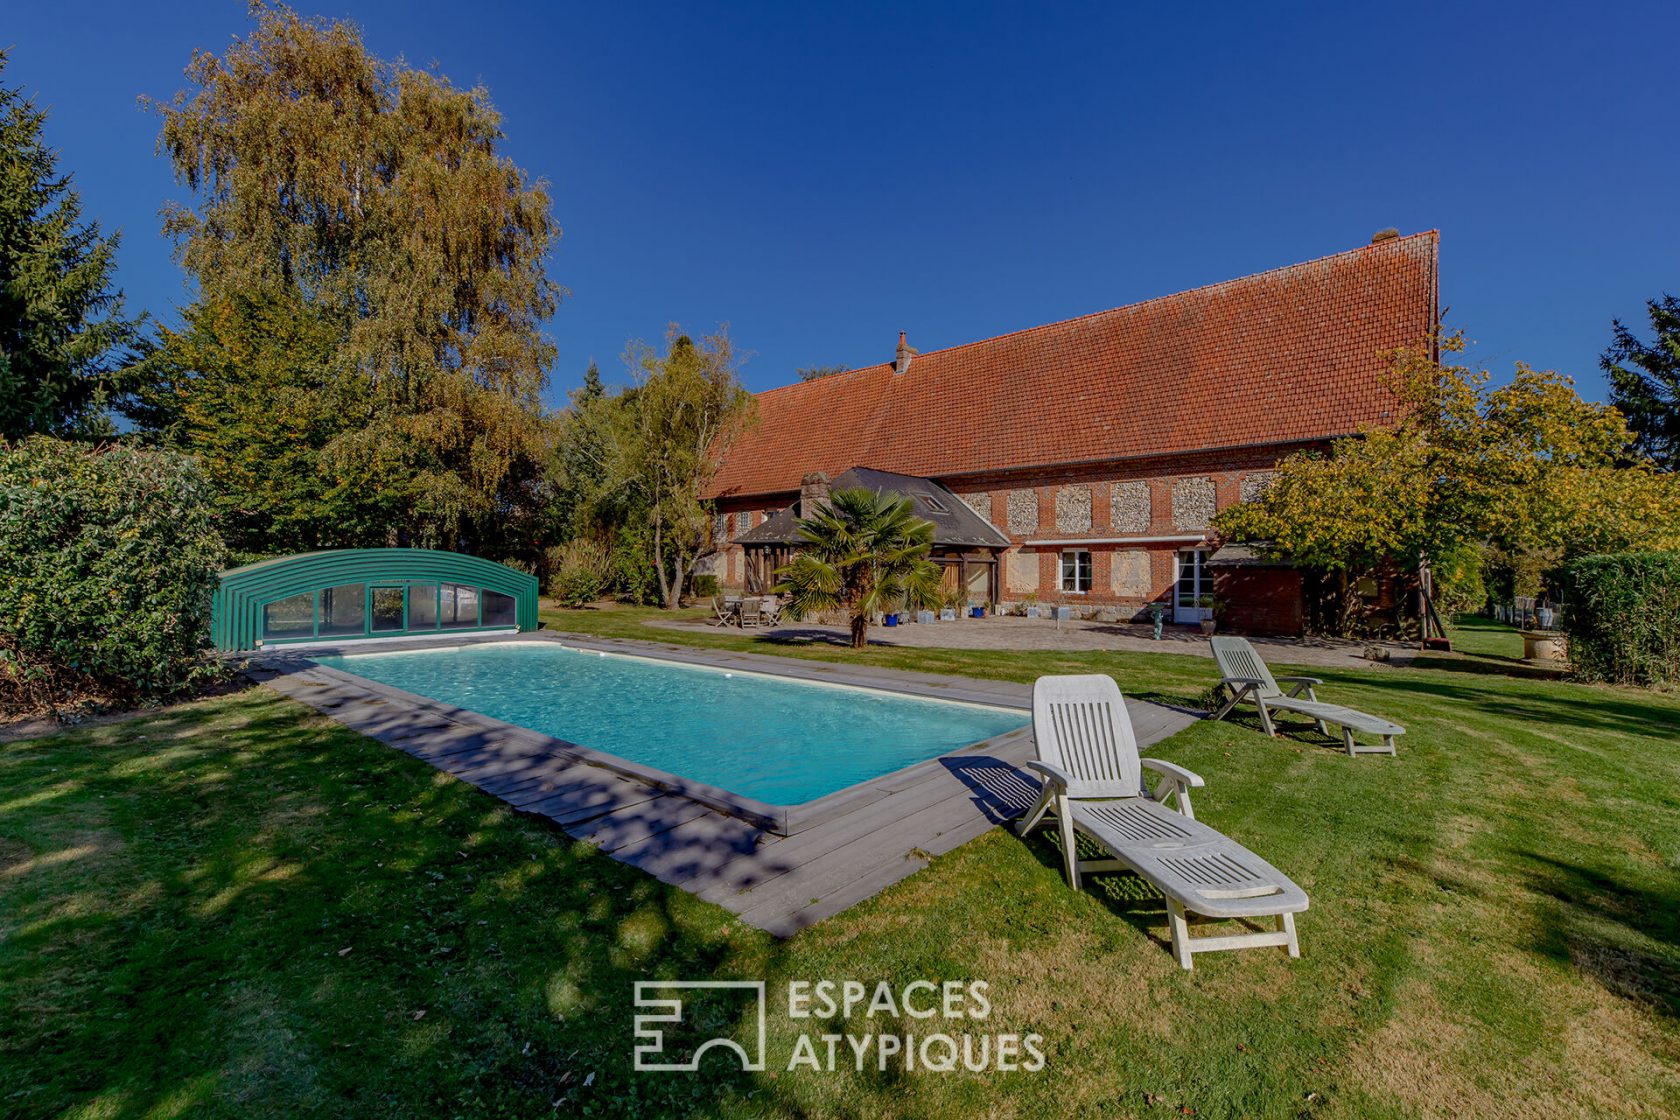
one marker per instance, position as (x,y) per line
(237,908)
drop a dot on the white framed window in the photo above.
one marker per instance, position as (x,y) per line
(1076,571)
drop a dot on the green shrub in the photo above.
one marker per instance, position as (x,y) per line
(703,586)
(108,561)
(581,572)
(630,572)
(1622,615)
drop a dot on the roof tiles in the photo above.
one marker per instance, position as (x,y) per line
(1294,354)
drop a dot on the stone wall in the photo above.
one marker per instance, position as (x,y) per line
(1128,505)
(1023,512)
(980,502)
(1193,503)
(1020,575)
(1073,509)
(1255,483)
(1131,578)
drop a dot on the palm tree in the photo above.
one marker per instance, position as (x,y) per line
(864,552)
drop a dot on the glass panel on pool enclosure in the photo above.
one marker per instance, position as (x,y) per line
(355,610)
(369,593)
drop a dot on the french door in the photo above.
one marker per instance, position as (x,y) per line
(1191,586)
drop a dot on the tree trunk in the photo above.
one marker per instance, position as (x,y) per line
(860,631)
(659,562)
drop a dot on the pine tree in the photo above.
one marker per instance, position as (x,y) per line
(61,320)
(1645,382)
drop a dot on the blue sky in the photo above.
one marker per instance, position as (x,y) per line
(821,178)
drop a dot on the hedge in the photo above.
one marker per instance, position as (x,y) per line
(108,559)
(1622,616)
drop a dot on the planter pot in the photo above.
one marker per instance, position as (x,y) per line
(1544,645)
(1208,625)
(1032,612)
(890,620)
(1063,614)
(948,614)
(924,616)
(977,612)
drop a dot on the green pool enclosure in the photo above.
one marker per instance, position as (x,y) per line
(368,593)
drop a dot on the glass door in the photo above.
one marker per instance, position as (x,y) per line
(1191,587)
(385,609)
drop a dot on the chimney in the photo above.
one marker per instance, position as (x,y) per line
(1389,234)
(901,364)
(813,492)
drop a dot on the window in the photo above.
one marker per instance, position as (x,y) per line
(387,613)
(1076,571)
(344,609)
(933,504)
(498,609)
(459,605)
(1192,586)
(422,606)
(292,617)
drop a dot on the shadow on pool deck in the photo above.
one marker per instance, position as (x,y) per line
(778,883)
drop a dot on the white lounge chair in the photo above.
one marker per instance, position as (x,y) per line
(1093,783)
(1245,675)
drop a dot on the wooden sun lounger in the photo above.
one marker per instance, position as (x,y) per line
(1245,675)
(1093,784)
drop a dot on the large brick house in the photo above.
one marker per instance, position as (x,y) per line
(1102,446)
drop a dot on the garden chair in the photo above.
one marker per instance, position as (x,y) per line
(1093,784)
(721,614)
(752,613)
(1245,675)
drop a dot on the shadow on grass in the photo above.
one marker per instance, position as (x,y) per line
(1624,937)
(232,908)
(1606,709)
(1489,664)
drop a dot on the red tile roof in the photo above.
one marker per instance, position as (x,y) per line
(1290,355)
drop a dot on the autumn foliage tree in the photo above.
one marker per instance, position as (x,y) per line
(672,429)
(372,204)
(1527,467)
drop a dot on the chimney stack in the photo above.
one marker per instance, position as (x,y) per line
(901,364)
(1389,234)
(813,492)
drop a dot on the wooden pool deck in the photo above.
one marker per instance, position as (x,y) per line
(779,883)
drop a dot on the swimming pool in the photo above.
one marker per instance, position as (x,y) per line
(781,741)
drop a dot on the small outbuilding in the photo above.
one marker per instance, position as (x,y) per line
(965,545)
(1258,593)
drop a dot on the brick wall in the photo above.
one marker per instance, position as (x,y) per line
(1117,508)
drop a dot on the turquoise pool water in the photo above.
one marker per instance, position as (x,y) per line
(782,741)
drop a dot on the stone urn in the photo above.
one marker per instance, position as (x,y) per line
(1544,645)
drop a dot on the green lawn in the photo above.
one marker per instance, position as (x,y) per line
(235,907)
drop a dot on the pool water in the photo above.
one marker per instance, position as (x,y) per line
(778,740)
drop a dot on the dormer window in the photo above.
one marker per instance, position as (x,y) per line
(932,503)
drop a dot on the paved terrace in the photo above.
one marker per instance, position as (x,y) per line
(1012,632)
(775,882)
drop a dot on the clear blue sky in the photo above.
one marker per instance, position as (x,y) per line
(822,178)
